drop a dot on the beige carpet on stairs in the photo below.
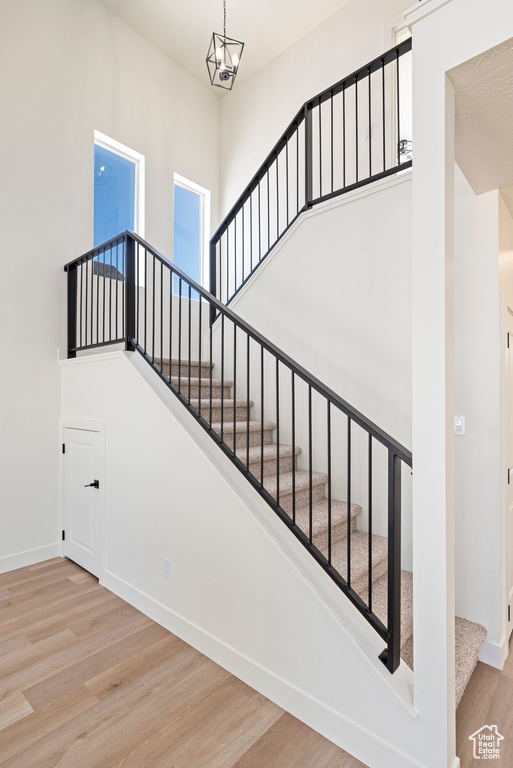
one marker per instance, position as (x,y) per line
(469,636)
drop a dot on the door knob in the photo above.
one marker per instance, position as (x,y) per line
(94,484)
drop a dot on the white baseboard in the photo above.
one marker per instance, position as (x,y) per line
(493,654)
(348,735)
(30,557)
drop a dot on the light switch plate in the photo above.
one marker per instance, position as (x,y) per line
(459,425)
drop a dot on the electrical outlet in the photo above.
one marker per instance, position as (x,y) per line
(166,568)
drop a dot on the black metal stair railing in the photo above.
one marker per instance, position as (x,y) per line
(344,138)
(125,290)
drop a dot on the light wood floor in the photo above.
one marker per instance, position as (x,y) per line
(86,681)
(488,700)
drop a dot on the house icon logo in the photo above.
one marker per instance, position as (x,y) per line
(487,743)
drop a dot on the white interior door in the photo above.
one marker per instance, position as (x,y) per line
(509,461)
(83,498)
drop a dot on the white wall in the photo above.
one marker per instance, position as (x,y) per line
(257,112)
(67,68)
(477,388)
(335,296)
(242,589)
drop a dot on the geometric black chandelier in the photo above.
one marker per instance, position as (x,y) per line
(223,58)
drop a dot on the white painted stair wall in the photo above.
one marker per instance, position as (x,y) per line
(241,590)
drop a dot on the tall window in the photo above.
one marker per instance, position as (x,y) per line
(118,189)
(190,229)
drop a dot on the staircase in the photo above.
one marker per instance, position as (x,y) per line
(292,488)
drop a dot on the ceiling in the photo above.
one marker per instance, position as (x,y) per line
(484,120)
(183,30)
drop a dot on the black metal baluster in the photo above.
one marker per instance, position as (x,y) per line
(235,254)
(331,134)
(123,292)
(243,246)
(130,331)
(251,232)
(398,110)
(328,418)
(189,329)
(110,293)
(293,397)
(297,168)
(153,312)
(213,275)
(145,301)
(171,280)
(222,376)
(137,289)
(384,112)
(356,123)
(343,137)
(287,176)
(161,316)
(370,124)
(234,388)
(103,296)
(370,524)
(262,415)
(268,212)
(310,452)
(227,264)
(117,291)
(199,348)
(98,298)
(248,399)
(91,269)
(277,200)
(320,148)
(259,225)
(348,501)
(81,342)
(277,432)
(179,336)
(210,374)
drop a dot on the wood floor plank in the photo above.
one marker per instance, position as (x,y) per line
(38,725)
(91,682)
(13,706)
(136,666)
(77,674)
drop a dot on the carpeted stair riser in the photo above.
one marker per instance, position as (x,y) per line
(215,408)
(217,387)
(338,533)
(241,433)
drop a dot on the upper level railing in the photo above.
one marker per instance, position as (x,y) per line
(125,291)
(354,133)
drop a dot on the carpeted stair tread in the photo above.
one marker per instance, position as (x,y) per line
(301,478)
(269,452)
(205,365)
(241,426)
(469,639)
(269,456)
(205,381)
(360,558)
(320,518)
(217,402)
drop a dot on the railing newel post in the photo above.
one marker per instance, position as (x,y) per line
(391,656)
(213,277)
(71,270)
(308,156)
(130,288)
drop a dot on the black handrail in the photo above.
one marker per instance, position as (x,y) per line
(156,325)
(311,163)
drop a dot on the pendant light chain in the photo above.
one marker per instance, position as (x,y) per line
(224,9)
